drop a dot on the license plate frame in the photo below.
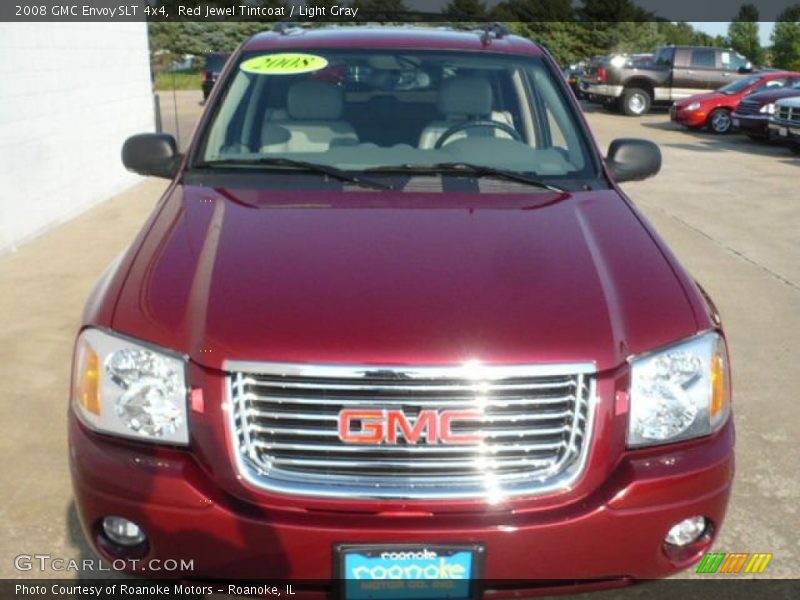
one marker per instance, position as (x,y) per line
(348,590)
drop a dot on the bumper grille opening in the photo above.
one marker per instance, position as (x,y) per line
(534,430)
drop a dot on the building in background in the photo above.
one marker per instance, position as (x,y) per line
(70,93)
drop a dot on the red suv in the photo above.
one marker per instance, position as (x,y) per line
(394,318)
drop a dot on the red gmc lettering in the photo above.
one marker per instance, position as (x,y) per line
(389,426)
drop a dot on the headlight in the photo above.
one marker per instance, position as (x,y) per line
(693,106)
(768,109)
(680,392)
(125,388)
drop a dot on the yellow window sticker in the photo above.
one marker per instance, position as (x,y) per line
(288,63)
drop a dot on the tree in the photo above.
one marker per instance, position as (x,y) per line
(611,11)
(528,11)
(743,34)
(786,39)
(630,37)
(466,10)
(568,41)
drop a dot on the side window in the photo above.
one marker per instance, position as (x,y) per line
(775,84)
(704,58)
(664,57)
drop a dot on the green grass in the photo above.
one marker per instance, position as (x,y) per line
(182,80)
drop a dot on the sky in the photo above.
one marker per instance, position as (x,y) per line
(721,28)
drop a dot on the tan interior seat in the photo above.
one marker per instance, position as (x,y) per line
(311,123)
(461,99)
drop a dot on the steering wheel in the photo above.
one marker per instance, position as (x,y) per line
(474,124)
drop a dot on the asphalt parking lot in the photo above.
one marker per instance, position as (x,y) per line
(728,207)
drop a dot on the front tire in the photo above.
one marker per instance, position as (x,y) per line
(720,121)
(636,102)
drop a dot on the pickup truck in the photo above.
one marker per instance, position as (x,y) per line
(784,125)
(675,73)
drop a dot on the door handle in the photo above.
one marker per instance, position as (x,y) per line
(690,72)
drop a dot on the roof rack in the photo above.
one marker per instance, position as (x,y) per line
(488,31)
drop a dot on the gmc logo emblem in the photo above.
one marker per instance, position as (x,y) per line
(388,426)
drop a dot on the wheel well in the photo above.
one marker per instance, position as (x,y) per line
(727,109)
(642,84)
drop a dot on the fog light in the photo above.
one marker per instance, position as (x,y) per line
(122,531)
(687,531)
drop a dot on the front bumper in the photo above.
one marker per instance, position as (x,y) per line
(785,131)
(615,533)
(756,125)
(688,118)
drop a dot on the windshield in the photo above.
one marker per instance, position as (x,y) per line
(734,87)
(360,110)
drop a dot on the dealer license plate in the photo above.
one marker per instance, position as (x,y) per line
(409,572)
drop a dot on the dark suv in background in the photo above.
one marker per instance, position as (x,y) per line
(215,61)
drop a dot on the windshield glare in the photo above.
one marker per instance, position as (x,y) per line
(358,110)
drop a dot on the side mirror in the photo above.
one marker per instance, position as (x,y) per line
(631,159)
(746,68)
(152,154)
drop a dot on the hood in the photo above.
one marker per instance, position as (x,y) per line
(763,98)
(793,101)
(390,278)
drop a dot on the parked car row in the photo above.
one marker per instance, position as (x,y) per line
(716,89)
(755,94)
(764,106)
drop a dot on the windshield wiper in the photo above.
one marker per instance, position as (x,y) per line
(333,172)
(468,169)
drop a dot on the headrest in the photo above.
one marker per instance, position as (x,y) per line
(315,100)
(465,96)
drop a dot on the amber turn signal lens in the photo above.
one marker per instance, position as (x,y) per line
(720,390)
(87,388)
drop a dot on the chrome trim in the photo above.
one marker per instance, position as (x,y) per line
(602,89)
(405,483)
(467,370)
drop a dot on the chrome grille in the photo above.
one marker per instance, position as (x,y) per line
(534,429)
(748,107)
(787,113)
